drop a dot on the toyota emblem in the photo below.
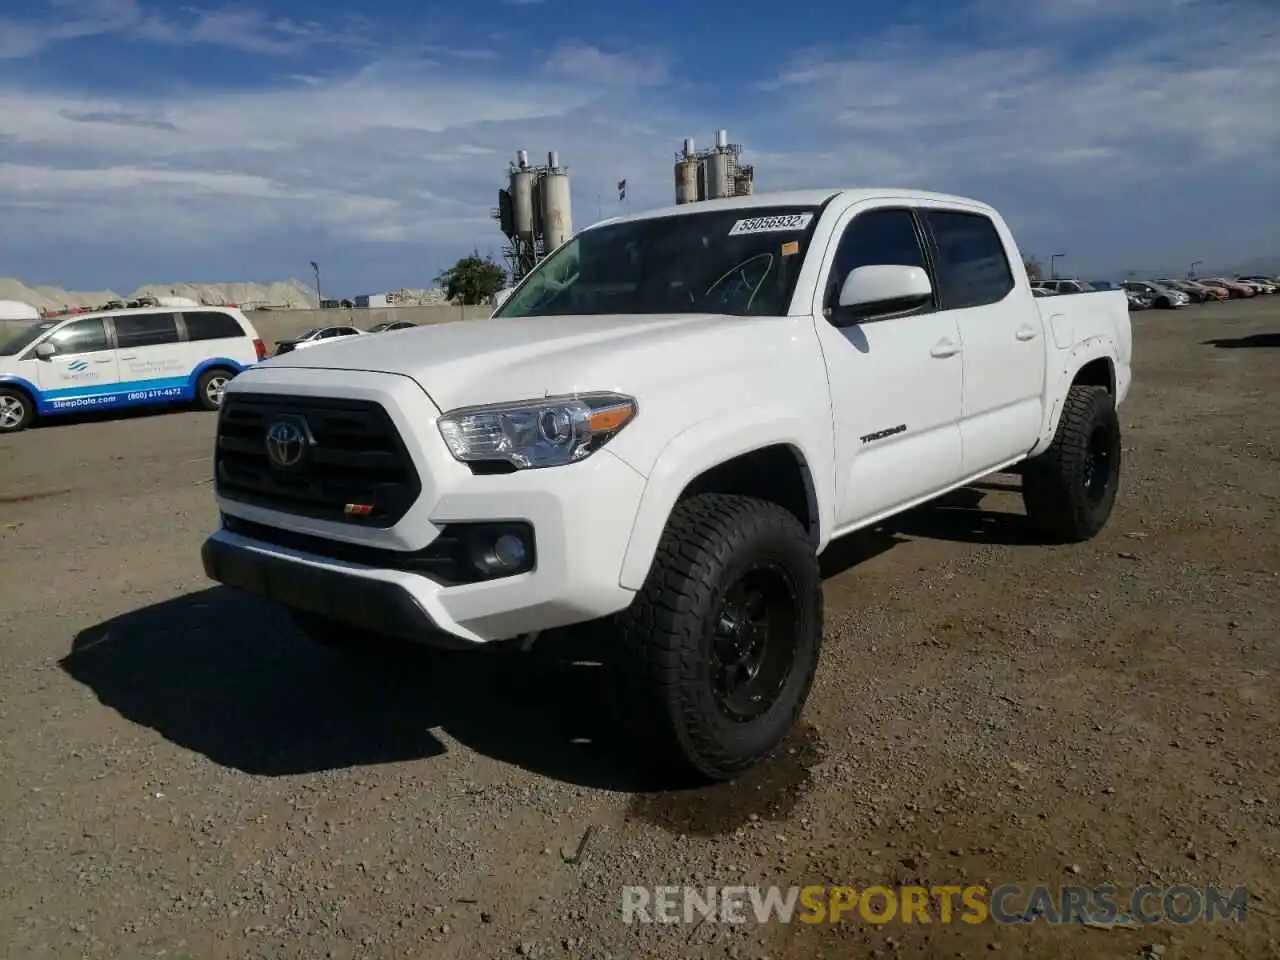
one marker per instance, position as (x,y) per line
(286,444)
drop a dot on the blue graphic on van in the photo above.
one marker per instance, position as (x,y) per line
(77,365)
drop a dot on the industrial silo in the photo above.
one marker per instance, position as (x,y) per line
(719,168)
(557,217)
(687,175)
(522,209)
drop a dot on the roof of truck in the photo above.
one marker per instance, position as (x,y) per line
(797,198)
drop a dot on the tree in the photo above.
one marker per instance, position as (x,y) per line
(473,279)
(1033,268)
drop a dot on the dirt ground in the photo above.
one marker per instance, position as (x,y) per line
(183,776)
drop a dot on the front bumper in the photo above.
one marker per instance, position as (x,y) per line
(383,606)
(581,516)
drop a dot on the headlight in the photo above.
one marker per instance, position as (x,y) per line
(536,433)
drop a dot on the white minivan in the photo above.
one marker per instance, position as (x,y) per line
(123,358)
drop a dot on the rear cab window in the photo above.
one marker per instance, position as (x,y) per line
(973,265)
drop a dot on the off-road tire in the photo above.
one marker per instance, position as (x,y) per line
(1055,485)
(662,666)
(22,401)
(203,385)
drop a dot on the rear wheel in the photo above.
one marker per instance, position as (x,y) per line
(210,386)
(16,410)
(719,649)
(1070,489)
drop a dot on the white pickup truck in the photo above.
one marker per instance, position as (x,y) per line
(661,428)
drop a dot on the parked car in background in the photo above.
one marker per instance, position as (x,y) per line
(1138,301)
(1212,290)
(316,335)
(1195,293)
(1264,284)
(390,325)
(1234,288)
(1162,297)
(1069,285)
(109,360)
(1106,284)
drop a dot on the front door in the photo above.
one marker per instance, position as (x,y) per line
(896,382)
(1003,333)
(82,373)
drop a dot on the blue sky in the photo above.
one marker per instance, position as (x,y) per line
(153,142)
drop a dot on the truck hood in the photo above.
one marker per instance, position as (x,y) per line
(471,362)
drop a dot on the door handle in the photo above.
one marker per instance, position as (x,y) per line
(944,348)
(102,361)
(1026,333)
(134,357)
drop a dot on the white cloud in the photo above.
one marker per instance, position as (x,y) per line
(239,28)
(588,64)
(1044,117)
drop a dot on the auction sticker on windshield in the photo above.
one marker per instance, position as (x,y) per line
(790,221)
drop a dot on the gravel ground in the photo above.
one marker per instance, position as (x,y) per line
(183,776)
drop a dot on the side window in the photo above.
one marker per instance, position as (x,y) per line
(973,269)
(872,239)
(83,336)
(145,329)
(211,325)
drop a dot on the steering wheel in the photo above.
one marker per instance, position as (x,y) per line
(744,281)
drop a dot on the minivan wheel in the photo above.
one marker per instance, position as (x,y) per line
(16,410)
(210,386)
(718,651)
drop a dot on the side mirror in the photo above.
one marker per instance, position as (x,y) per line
(45,351)
(882,289)
(501,296)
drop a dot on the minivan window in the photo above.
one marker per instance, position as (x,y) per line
(145,329)
(83,336)
(211,325)
(25,337)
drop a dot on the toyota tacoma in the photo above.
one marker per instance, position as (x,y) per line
(659,430)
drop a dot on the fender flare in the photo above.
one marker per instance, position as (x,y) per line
(27,387)
(707,444)
(1093,348)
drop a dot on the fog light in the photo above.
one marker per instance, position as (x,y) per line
(503,555)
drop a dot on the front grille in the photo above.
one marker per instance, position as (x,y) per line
(355,468)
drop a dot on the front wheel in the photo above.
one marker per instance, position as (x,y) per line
(16,410)
(1070,489)
(719,649)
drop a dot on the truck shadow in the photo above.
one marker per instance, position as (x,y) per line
(226,675)
(1254,341)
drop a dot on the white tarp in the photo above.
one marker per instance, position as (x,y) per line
(17,310)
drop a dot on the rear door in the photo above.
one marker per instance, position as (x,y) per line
(83,372)
(154,365)
(1002,332)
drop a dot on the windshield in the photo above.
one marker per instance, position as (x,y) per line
(742,262)
(26,337)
